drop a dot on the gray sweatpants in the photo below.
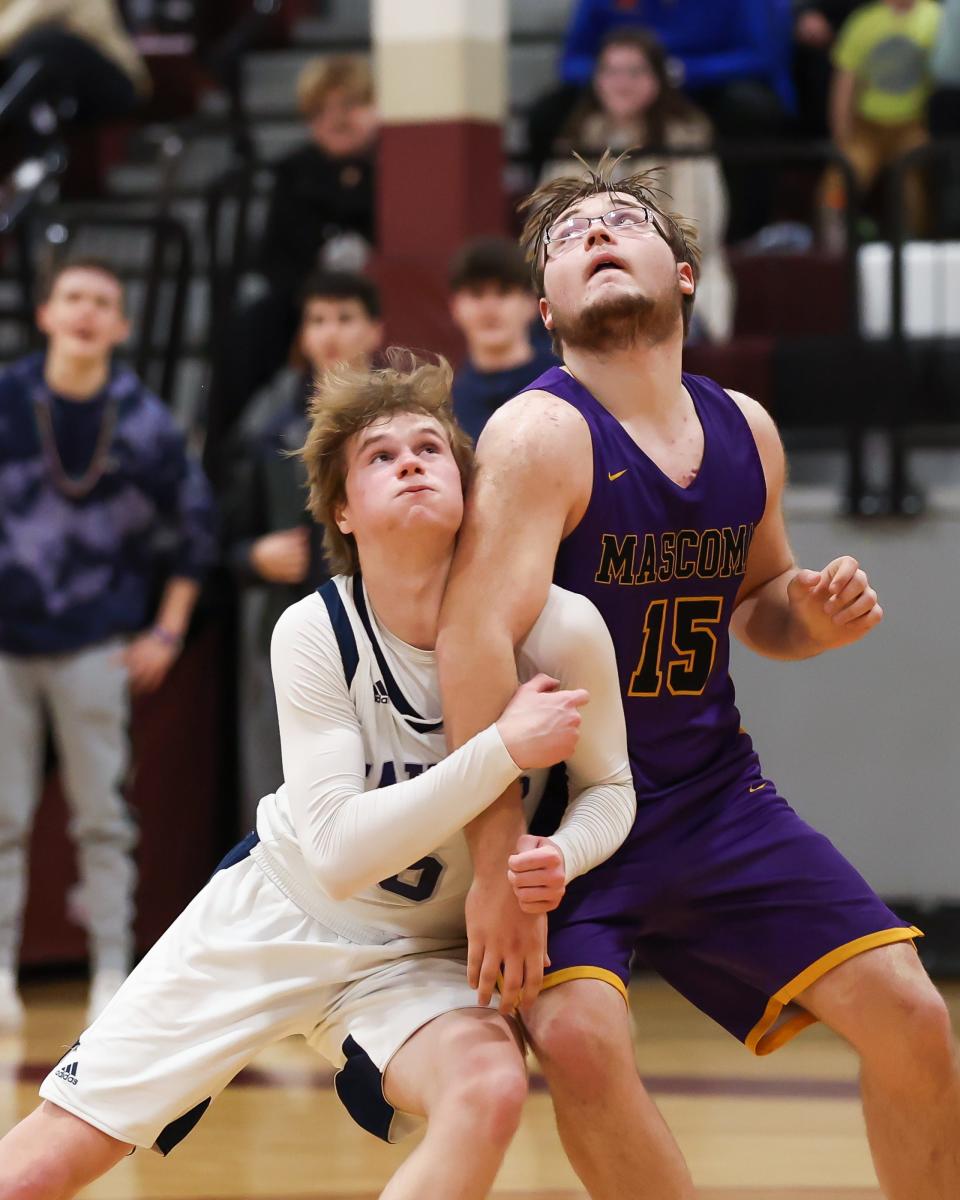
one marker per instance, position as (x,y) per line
(87,698)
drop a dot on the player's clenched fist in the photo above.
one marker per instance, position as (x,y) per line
(537,873)
(541,724)
(837,605)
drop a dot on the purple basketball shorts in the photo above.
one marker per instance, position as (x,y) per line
(730,897)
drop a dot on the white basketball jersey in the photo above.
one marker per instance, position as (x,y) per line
(395,691)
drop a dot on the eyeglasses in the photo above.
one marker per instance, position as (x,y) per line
(635,222)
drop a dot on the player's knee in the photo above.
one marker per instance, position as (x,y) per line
(926,1036)
(501,1106)
(578,1046)
(39,1180)
(490,1093)
(915,1035)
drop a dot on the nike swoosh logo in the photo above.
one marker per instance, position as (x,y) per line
(757,787)
(617,476)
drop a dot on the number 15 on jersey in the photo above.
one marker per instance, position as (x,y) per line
(685,664)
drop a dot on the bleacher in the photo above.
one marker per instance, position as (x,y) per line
(796,343)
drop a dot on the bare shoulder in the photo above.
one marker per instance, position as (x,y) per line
(762,426)
(533,427)
(534,454)
(756,415)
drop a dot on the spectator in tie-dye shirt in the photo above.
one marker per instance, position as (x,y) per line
(98,496)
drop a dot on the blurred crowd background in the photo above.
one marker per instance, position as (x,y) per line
(198,215)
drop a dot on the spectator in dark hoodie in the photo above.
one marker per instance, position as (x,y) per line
(323,196)
(273,546)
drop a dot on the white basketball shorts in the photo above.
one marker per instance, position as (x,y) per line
(240,968)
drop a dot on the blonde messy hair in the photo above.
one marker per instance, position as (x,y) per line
(348,400)
(323,76)
(545,206)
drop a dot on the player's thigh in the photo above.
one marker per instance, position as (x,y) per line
(580,1032)
(881,998)
(472,1049)
(57,1152)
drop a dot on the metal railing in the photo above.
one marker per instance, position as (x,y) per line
(856,409)
(915,359)
(226,223)
(44,235)
(851,414)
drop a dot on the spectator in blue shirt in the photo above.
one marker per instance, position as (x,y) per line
(714,43)
(493,305)
(93,474)
(732,58)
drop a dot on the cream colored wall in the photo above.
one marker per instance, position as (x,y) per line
(865,742)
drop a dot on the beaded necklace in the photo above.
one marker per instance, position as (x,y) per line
(73,486)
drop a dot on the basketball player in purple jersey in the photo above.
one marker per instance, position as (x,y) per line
(658,495)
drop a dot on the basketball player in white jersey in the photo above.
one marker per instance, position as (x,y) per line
(317,924)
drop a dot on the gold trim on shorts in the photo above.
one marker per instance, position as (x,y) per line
(764,1039)
(601,973)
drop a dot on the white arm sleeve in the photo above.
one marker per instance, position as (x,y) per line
(571,642)
(351,838)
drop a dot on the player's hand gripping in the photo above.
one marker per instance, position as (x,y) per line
(539,727)
(541,724)
(501,939)
(835,606)
(537,874)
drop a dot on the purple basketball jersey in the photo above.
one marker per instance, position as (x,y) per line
(720,886)
(663,565)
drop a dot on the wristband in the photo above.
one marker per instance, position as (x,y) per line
(171,640)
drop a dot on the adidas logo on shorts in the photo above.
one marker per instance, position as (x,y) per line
(68,1073)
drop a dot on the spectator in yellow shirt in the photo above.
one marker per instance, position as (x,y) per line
(878,101)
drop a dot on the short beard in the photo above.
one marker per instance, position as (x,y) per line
(620,323)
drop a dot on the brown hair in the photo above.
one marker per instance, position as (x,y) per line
(545,206)
(333,285)
(489,260)
(321,76)
(342,285)
(86,262)
(345,402)
(670,107)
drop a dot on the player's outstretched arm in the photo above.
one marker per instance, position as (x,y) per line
(353,838)
(530,472)
(572,639)
(784,611)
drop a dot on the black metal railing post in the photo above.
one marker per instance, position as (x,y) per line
(905,498)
